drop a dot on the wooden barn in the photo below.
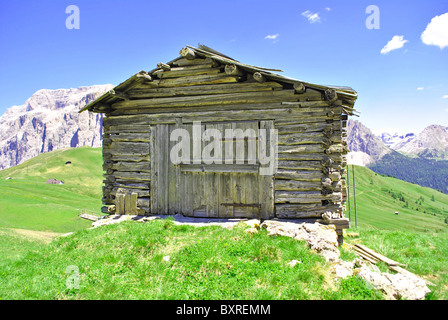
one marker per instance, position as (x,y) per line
(204,94)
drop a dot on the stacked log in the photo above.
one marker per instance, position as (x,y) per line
(126,162)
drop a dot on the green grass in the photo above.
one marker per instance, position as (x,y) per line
(27,202)
(423,254)
(378,198)
(125,261)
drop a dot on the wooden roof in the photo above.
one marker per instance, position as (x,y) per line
(347,95)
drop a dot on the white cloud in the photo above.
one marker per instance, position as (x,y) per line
(328,9)
(397,42)
(272,36)
(312,17)
(445,96)
(420,88)
(436,32)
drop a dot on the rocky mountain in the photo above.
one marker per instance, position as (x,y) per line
(422,167)
(365,147)
(431,143)
(395,141)
(47,121)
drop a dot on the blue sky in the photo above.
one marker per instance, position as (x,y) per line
(324,42)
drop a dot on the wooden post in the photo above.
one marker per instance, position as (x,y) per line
(354,194)
(119,203)
(133,203)
(348,193)
(127,203)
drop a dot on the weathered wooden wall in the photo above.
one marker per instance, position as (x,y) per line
(310,123)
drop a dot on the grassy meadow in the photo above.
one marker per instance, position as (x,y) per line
(27,202)
(129,260)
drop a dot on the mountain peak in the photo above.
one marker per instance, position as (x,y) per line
(49,120)
(365,147)
(431,142)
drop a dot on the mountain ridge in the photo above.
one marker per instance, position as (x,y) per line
(423,166)
(430,143)
(49,120)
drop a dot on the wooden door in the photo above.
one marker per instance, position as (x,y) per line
(203,186)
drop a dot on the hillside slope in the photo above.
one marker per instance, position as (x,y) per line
(28,202)
(378,197)
(126,260)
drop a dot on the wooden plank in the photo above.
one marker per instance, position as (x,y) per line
(177,72)
(377,255)
(88,217)
(192,81)
(119,203)
(132,176)
(128,148)
(128,137)
(302,210)
(143,166)
(154,170)
(266,182)
(225,195)
(121,128)
(211,194)
(299,139)
(300,164)
(109,156)
(294,127)
(193,62)
(366,256)
(142,93)
(202,100)
(171,172)
(163,167)
(229,168)
(127,203)
(251,111)
(140,192)
(186,182)
(187,201)
(305,148)
(297,185)
(199,203)
(305,197)
(299,175)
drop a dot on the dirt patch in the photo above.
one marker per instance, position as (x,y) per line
(42,236)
